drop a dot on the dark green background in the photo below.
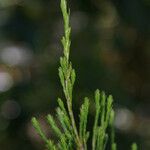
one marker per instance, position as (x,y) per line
(110,51)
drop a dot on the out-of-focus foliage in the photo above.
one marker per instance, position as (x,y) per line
(110,50)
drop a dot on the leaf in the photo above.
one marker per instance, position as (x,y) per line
(53,125)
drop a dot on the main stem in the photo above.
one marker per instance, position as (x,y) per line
(69,105)
(70,109)
(67,72)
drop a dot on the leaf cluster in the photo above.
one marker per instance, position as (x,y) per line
(69,137)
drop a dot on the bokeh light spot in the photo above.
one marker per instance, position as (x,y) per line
(124,119)
(10,109)
(6,81)
(15,55)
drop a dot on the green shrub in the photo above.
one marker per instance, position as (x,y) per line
(69,137)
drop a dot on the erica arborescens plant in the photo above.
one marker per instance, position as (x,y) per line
(70,135)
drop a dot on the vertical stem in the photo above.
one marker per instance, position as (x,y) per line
(80,146)
(67,71)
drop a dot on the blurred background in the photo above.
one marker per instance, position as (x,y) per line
(110,51)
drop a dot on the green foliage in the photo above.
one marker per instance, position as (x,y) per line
(69,137)
(134,146)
